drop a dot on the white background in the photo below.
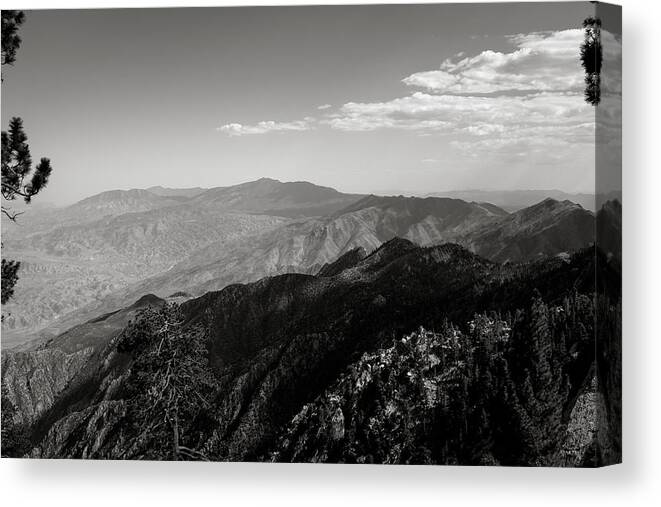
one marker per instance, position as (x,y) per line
(636,482)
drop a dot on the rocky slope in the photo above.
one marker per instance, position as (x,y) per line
(548,228)
(34,379)
(302,246)
(104,205)
(74,265)
(289,342)
(82,253)
(305,245)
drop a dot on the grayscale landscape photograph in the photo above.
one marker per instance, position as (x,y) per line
(361,234)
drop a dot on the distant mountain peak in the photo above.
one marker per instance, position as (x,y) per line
(116,194)
(398,244)
(345,261)
(272,197)
(148,300)
(176,192)
(416,206)
(513,200)
(390,250)
(551,205)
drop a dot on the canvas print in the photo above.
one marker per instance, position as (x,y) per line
(359,234)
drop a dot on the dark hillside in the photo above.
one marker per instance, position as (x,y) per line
(278,344)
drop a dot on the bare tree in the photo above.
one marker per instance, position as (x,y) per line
(171,382)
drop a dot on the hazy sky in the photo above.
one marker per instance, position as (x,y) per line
(361,98)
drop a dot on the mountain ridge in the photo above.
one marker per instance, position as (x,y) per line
(185,244)
(514,200)
(268,340)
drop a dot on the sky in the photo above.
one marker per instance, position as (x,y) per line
(381,99)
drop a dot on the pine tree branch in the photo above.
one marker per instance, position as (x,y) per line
(9,190)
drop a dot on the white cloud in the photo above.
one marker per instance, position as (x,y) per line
(264,127)
(472,115)
(542,61)
(529,100)
(491,102)
(545,138)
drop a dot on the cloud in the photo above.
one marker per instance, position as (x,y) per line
(527,101)
(264,127)
(492,94)
(491,102)
(475,116)
(542,61)
(580,136)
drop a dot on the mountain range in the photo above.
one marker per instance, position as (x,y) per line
(81,254)
(514,200)
(203,243)
(310,325)
(295,358)
(107,250)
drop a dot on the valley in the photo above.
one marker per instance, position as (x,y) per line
(108,250)
(266,290)
(375,322)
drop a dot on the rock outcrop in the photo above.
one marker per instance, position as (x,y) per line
(33,380)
